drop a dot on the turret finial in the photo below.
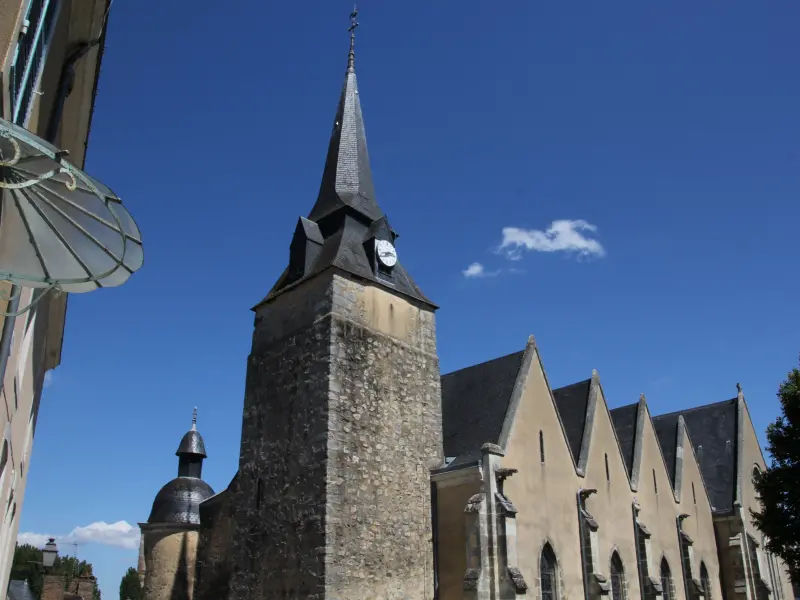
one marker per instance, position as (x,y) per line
(351,58)
(738,388)
(194,419)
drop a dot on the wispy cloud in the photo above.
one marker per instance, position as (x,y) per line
(476,269)
(120,534)
(562,235)
(48,379)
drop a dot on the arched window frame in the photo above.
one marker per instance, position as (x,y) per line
(551,591)
(705,581)
(667,583)
(754,472)
(619,582)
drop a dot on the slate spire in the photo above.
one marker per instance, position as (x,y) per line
(346,223)
(347,177)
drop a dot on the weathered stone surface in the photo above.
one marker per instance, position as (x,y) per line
(214,561)
(170,556)
(342,423)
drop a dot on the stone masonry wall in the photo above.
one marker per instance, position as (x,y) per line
(171,561)
(280,500)
(384,436)
(341,426)
(214,547)
(53,587)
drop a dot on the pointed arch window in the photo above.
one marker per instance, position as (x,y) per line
(756,472)
(4,459)
(667,587)
(548,574)
(618,582)
(705,581)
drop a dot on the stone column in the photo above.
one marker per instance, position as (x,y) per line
(141,567)
(512,582)
(53,587)
(476,577)
(492,571)
(492,454)
(83,586)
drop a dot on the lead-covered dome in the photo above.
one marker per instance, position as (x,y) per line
(178,502)
(192,443)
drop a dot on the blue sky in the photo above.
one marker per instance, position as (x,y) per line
(670,127)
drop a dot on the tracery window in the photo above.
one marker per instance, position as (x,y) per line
(548,574)
(705,581)
(618,582)
(667,588)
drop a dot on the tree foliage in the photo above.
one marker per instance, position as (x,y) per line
(778,487)
(130,588)
(27,565)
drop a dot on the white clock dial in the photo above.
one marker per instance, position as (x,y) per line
(386,253)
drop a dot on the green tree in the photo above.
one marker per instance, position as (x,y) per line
(778,487)
(129,587)
(28,565)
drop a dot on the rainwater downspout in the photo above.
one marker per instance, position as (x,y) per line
(637,540)
(748,563)
(434,532)
(65,83)
(684,555)
(581,531)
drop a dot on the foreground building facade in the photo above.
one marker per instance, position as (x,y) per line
(51,52)
(364,474)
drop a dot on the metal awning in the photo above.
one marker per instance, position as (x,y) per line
(59,227)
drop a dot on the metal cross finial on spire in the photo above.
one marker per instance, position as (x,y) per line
(194,419)
(353,22)
(351,58)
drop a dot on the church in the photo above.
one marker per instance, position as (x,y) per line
(365,474)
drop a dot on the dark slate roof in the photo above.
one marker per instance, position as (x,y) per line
(712,429)
(192,443)
(667,434)
(347,178)
(346,214)
(178,502)
(571,402)
(19,590)
(624,419)
(474,405)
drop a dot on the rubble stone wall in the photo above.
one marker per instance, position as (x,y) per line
(342,425)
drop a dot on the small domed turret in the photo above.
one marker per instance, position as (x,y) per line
(178,502)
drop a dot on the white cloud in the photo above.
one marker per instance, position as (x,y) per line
(48,379)
(34,539)
(476,269)
(562,236)
(120,534)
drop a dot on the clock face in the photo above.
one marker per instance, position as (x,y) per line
(386,253)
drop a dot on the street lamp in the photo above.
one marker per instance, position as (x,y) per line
(49,553)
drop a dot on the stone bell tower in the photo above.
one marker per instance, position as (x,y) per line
(342,411)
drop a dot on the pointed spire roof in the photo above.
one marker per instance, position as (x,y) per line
(345,223)
(347,177)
